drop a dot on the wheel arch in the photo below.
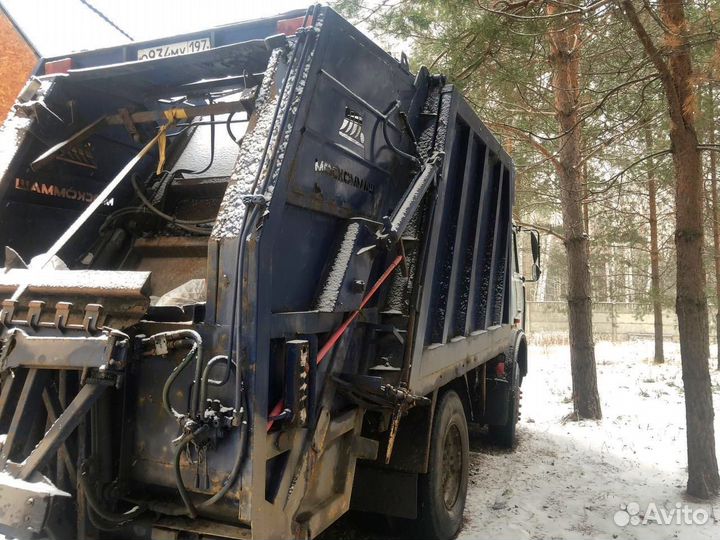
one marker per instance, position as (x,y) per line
(520,351)
(461,386)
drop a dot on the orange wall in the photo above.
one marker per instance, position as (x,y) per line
(17,60)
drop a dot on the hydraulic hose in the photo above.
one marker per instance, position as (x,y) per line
(212,148)
(309,14)
(394,148)
(111,517)
(196,350)
(184,495)
(205,379)
(119,213)
(239,405)
(171,379)
(234,472)
(190,508)
(249,216)
(94,520)
(228,126)
(185,224)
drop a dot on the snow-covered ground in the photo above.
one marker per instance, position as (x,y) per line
(575,479)
(571,480)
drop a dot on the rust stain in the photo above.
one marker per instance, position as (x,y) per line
(17,61)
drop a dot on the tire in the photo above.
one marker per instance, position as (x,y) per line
(442,491)
(506,435)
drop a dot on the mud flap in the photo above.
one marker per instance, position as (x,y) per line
(497,403)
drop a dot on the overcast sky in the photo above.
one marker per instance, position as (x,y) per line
(56,27)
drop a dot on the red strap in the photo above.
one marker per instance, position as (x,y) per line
(280,405)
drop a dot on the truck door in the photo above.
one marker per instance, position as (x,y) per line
(518,285)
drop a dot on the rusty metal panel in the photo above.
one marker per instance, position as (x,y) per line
(200,527)
(54,352)
(75,298)
(76,282)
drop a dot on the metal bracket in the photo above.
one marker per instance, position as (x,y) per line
(7,312)
(395,224)
(404,62)
(257,200)
(277,41)
(6,346)
(129,125)
(26,504)
(62,314)
(93,312)
(161,344)
(55,352)
(62,428)
(35,308)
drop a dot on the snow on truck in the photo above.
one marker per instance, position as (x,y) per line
(254,277)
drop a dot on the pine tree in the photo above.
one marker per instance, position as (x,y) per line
(676,74)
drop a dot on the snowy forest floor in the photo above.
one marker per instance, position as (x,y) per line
(569,479)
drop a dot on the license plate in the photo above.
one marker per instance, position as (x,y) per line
(174,49)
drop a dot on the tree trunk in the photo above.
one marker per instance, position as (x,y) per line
(565,42)
(715,222)
(655,293)
(692,312)
(691,304)
(586,200)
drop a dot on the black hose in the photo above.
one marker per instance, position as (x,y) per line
(394,148)
(234,473)
(184,441)
(119,213)
(182,128)
(248,217)
(185,337)
(236,324)
(311,11)
(171,379)
(172,219)
(212,151)
(94,520)
(230,480)
(177,339)
(205,379)
(229,366)
(228,126)
(111,517)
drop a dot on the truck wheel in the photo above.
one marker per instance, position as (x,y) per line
(443,489)
(506,435)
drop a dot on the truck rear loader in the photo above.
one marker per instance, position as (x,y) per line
(253,277)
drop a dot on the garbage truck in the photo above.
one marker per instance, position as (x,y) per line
(252,277)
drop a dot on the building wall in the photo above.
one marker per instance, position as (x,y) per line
(17,61)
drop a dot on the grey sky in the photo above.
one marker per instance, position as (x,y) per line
(56,27)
